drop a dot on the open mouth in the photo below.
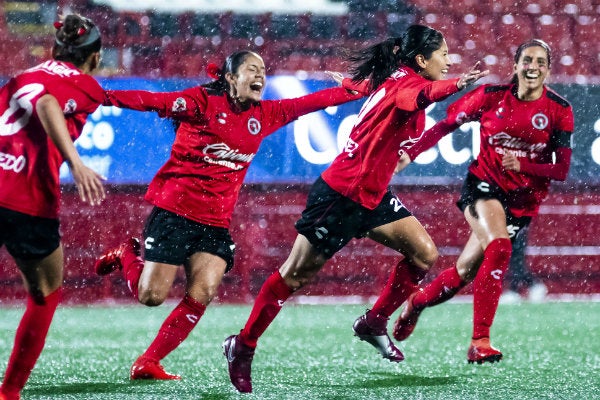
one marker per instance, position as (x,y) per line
(256,87)
(531,75)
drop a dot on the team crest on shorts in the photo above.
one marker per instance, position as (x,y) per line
(539,121)
(254,126)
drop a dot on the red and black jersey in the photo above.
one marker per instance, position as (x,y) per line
(391,120)
(214,145)
(531,130)
(534,131)
(29,160)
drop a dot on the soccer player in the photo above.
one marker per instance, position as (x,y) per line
(526,133)
(42,111)
(221,126)
(351,198)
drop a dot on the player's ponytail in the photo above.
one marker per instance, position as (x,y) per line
(76,38)
(377,62)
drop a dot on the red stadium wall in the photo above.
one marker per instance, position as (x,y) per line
(564,247)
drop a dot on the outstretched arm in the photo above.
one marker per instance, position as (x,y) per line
(430,137)
(439,90)
(89,183)
(179,105)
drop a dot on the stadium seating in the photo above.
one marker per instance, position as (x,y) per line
(140,43)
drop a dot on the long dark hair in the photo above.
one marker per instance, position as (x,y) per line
(76,38)
(231,65)
(380,60)
(531,43)
(219,85)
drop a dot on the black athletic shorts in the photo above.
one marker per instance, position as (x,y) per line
(331,220)
(474,189)
(171,239)
(28,237)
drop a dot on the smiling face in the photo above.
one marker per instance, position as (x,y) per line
(435,67)
(248,83)
(531,70)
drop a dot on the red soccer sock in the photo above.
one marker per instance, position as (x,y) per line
(29,342)
(133,265)
(403,281)
(487,286)
(442,288)
(176,328)
(273,293)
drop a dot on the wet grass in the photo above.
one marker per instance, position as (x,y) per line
(552,351)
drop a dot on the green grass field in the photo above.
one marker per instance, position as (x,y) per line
(552,351)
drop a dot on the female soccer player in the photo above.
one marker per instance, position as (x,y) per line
(352,199)
(525,142)
(221,127)
(42,111)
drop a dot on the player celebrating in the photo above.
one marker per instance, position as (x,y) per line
(352,198)
(42,111)
(525,142)
(194,193)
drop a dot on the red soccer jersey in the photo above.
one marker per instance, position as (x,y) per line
(391,119)
(214,145)
(29,161)
(531,130)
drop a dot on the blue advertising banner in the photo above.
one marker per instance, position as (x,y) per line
(128,147)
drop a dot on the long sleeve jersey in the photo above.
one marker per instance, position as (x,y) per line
(29,160)
(391,119)
(214,145)
(533,131)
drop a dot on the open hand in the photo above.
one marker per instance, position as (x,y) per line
(472,76)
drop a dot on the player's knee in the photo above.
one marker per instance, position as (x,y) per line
(297,280)
(204,295)
(427,257)
(151,297)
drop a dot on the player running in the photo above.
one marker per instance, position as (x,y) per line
(352,199)
(526,133)
(194,193)
(42,111)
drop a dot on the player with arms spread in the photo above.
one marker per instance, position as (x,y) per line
(221,125)
(526,133)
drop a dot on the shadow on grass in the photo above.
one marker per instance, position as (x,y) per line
(395,380)
(92,388)
(136,389)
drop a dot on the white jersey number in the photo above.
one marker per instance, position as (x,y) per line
(371,102)
(21,108)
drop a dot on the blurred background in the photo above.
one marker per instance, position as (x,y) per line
(176,39)
(165,46)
